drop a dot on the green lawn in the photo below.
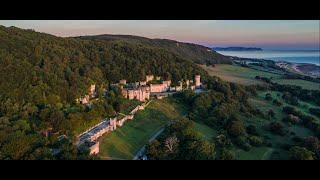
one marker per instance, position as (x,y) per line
(259,153)
(127,140)
(207,132)
(299,82)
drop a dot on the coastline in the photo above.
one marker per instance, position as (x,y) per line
(308,69)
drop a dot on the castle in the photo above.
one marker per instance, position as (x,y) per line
(142,92)
(139,90)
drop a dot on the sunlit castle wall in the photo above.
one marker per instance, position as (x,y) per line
(197,81)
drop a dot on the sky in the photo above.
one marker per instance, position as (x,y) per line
(266,34)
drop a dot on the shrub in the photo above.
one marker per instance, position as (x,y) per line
(271,113)
(292,119)
(226,154)
(277,102)
(255,140)
(251,129)
(268,97)
(315,111)
(309,122)
(312,143)
(276,128)
(297,139)
(290,110)
(222,141)
(301,153)
(241,141)
(236,128)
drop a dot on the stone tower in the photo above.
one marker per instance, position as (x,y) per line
(197,81)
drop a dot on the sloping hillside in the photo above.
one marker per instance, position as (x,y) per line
(42,63)
(196,53)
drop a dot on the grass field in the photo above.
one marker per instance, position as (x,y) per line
(237,74)
(207,132)
(259,153)
(246,76)
(127,140)
(299,82)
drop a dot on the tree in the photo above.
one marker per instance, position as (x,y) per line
(312,143)
(251,129)
(199,150)
(236,128)
(255,141)
(226,154)
(276,128)
(268,97)
(271,113)
(301,153)
(171,143)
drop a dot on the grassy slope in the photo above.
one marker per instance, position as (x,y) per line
(127,140)
(238,74)
(246,76)
(207,132)
(276,151)
(299,82)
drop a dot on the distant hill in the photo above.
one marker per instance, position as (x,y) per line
(236,49)
(197,53)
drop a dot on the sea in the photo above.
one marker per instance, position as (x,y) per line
(293,56)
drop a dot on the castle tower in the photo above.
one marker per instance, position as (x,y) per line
(197,81)
(149,78)
(123,82)
(92,90)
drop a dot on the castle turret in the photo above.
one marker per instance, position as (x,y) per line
(197,81)
(149,78)
(123,82)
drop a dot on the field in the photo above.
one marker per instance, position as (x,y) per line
(127,140)
(237,74)
(299,82)
(246,76)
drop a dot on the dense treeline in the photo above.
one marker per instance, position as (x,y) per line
(194,52)
(219,104)
(41,76)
